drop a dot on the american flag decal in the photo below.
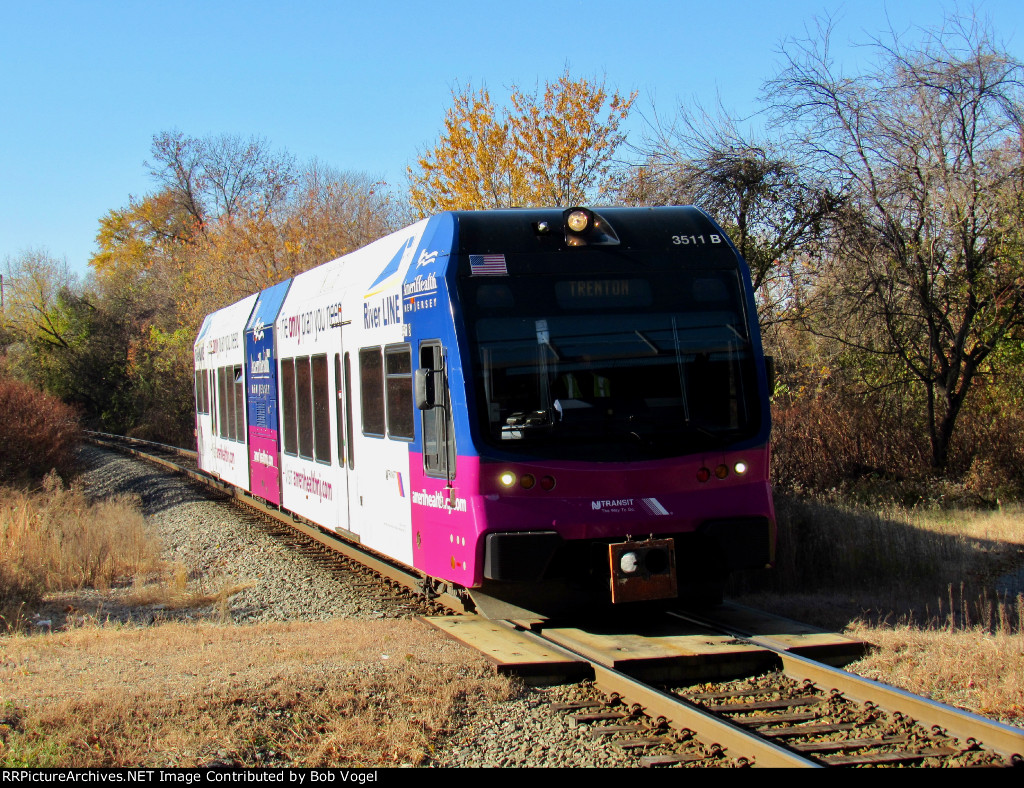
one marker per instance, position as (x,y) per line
(487,265)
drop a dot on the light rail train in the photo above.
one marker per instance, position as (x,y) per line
(541,409)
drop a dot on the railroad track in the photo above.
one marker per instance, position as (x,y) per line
(776,708)
(305,537)
(785,710)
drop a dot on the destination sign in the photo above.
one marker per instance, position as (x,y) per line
(597,293)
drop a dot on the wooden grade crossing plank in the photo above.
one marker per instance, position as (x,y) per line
(676,652)
(511,652)
(792,636)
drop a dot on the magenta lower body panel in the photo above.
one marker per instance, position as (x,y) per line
(264,474)
(609,502)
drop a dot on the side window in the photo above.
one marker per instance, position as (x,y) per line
(200,405)
(239,405)
(226,397)
(304,399)
(398,385)
(437,424)
(230,430)
(348,412)
(288,420)
(371,390)
(211,382)
(340,397)
(321,410)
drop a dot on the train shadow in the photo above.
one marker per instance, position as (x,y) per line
(155,489)
(837,565)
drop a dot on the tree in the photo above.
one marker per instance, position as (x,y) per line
(220,176)
(550,149)
(929,147)
(229,219)
(773,208)
(67,341)
(34,284)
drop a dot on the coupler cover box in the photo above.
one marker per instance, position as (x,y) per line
(642,571)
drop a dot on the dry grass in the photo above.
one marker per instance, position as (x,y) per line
(971,669)
(894,563)
(171,590)
(341,693)
(58,539)
(919,584)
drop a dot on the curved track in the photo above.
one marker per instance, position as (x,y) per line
(435,599)
(803,713)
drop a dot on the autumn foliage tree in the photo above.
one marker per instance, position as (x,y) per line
(546,148)
(229,217)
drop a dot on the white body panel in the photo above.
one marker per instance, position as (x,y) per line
(334,310)
(221,344)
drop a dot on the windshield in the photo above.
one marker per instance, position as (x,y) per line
(612,368)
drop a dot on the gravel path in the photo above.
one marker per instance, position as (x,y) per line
(220,544)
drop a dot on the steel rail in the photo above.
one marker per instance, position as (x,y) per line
(347,547)
(708,729)
(126,439)
(1006,740)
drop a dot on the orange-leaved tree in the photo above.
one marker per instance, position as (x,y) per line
(553,147)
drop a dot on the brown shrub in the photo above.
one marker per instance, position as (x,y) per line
(38,433)
(831,438)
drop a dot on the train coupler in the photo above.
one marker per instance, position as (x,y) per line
(643,571)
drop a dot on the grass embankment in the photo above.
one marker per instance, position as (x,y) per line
(342,693)
(339,693)
(922,585)
(918,585)
(57,539)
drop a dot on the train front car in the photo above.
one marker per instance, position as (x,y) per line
(593,410)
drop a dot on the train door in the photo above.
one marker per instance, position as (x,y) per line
(346,444)
(437,423)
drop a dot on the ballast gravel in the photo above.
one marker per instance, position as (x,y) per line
(221,545)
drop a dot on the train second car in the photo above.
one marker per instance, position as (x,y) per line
(545,409)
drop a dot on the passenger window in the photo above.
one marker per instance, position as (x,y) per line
(321,410)
(339,391)
(398,363)
(348,412)
(304,400)
(227,404)
(288,419)
(239,405)
(199,393)
(371,385)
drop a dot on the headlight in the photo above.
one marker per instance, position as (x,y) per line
(578,221)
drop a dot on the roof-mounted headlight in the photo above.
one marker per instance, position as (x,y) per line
(584,227)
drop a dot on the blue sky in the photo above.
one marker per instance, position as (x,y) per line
(85,85)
